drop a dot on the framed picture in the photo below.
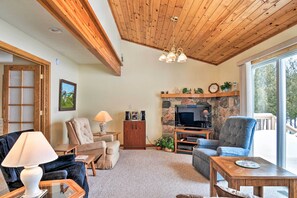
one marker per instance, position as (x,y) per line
(67,96)
(134,115)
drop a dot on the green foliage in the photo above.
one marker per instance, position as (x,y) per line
(186,91)
(165,142)
(158,142)
(291,73)
(67,99)
(226,86)
(265,88)
(198,91)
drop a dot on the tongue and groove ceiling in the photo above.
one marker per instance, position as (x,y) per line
(212,31)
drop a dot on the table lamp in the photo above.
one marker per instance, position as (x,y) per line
(102,117)
(30,150)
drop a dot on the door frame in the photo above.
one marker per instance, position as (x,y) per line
(45,86)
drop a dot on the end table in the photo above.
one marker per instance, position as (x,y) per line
(66,148)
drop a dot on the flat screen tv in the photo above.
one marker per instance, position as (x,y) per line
(193,116)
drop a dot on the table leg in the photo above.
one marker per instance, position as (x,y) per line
(292,189)
(213,180)
(259,191)
(234,184)
(93,168)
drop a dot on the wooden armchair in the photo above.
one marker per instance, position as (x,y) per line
(79,132)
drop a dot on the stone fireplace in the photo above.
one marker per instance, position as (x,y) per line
(222,107)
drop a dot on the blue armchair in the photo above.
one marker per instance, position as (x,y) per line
(235,139)
(63,167)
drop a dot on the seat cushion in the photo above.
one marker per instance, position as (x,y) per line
(204,154)
(112,147)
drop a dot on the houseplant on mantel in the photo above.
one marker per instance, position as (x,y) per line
(226,86)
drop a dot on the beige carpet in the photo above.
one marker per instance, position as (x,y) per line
(153,174)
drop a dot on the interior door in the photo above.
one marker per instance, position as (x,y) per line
(21,98)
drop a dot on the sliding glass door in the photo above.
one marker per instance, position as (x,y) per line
(275,108)
(265,108)
(290,64)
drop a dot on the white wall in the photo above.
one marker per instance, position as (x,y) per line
(104,14)
(66,70)
(228,71)
(143,78)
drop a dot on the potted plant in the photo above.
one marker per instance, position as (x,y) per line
(198,91)
(186,91)
(158,143)
(226,86)
(169,144)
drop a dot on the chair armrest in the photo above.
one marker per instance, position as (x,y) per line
(106,138)
(209,144)
(91,146)
(59,174)
(60,162)
(232,151)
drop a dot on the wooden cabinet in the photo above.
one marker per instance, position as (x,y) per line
(134,134)
(185,140)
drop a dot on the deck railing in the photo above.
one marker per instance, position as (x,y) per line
(267,121)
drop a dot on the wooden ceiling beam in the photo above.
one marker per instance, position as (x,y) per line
(79,18)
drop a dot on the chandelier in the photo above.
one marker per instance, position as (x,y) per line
(174,54)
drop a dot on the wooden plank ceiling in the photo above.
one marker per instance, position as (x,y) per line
(208,30)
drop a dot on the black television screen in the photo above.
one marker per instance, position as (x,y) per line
(193,116)
(187,118)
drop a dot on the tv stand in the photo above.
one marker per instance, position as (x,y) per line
(185,139)
(193,129)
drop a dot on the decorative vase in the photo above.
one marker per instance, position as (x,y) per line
(127,115)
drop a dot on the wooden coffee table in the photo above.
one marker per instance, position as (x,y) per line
(267,175)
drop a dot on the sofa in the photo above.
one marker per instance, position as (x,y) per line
(65,167)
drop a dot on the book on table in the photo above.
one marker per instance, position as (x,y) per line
(81,157)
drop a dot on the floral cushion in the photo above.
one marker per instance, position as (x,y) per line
(229,192)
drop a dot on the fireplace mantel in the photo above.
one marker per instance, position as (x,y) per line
(208,95)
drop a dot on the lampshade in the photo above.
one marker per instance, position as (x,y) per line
(30,149)
(170,57)
(103,116)
(162,57)
(182,58)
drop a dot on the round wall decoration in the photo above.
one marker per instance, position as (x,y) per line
(213,88)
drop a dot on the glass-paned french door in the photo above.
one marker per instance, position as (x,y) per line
(21,98)
(275,108)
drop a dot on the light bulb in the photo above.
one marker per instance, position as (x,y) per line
(162,57)
(182,58)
